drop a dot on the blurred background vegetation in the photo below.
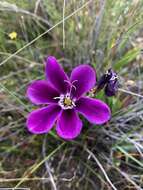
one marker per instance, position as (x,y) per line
(103,33)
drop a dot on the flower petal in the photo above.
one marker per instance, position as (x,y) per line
(84,77)
(55,74)
(40,92)
(42,120)
(69,125)
(93,110)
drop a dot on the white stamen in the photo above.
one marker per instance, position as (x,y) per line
(71,85)
(114,77)
(67,82)
(65,100)
(107,73)
(55,98)
(62,98)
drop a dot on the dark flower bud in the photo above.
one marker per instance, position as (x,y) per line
(111,88)
(101,83)
(108,81)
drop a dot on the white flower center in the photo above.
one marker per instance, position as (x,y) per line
(66,102)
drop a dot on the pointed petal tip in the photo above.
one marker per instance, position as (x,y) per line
(55,74)
(50,57)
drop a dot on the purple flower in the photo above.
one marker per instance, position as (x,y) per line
(112,87)
(108,81)
(63,98)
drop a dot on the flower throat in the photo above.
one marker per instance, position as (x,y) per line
(65,100)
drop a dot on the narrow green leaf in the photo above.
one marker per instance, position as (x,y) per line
(127,58)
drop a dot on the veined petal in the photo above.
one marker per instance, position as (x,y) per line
(42,120)
(40,92)
(69,125)
(94,110)
(56,75)
(84,77)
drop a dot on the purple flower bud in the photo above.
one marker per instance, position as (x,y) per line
(112,84)
(111,88)
(101,83)
(104,79)
(108,81)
